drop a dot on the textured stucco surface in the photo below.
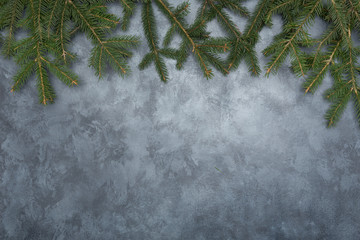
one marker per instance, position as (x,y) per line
(135,158)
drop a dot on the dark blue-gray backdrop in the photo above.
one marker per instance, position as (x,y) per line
(134,158)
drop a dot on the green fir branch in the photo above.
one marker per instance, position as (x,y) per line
(52,25)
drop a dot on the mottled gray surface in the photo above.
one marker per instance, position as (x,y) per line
(135,158)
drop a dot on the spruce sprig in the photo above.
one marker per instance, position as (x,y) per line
(194,40)
(156,55)
(333,52)
(51,25)
(193,36)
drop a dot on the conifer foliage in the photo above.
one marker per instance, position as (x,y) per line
(52,24)
(333,52)
(195,39)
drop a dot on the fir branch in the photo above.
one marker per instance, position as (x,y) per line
(181,9)
(225,19)
(148,21)
(236,7)
(50,34)
(116,60)
(174,19)
(193,39)
(128,9)
(62,43)
(342,19)
(334,113)
(10,15)
(323,41)
(314,81)
(21,77)
(257,20)
(53,24)
(279,56)
(52,15)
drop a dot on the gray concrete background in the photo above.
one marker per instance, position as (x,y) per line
(135,158)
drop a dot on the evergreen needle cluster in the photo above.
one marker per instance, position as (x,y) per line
(196,40)
(312,58)
(52,23)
